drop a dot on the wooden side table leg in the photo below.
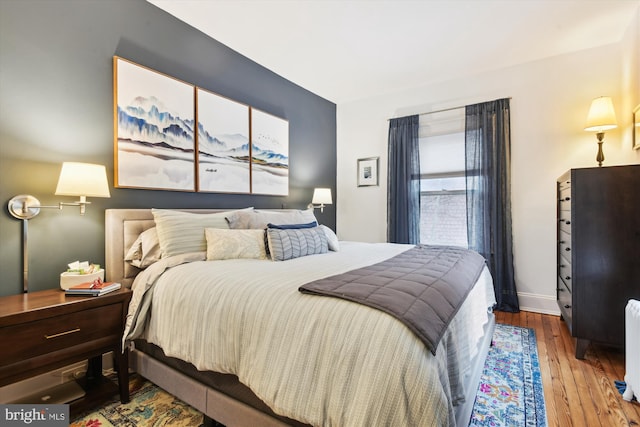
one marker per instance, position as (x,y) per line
(94,370)
(122,359)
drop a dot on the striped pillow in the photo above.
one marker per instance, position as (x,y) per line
(181,232)
(294,243)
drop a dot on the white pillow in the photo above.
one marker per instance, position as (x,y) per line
(181,232)
(145,250)
(260,218)
(235,244)
(332,239)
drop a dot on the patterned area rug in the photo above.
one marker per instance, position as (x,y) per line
(509,394)
(149,406)
(510,391)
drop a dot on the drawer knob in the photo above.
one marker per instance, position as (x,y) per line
(567,249)
(560,290)
(71,331)
(567,198)
(567,306)
(567,222)
(568,278)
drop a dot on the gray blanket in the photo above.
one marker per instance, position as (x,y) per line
(423,287)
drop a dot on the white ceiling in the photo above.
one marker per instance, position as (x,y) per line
(345,50)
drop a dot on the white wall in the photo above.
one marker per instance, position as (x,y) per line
(549,105)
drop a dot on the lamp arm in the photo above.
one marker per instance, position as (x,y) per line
(312,206)
(25,206)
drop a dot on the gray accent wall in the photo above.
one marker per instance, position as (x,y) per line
(56,105)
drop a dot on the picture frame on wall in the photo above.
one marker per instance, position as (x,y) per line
(154,141)
(269,154)
(224,154)
(636,127)
(368,171)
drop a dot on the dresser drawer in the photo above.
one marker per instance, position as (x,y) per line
(59,332)
(564,271)
(564,199)
(565,249)
(565,303)
(564,221)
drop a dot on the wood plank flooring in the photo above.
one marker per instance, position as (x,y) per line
(578,393)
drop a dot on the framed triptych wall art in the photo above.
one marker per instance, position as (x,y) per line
(153,126)
(223,144)
(171,135)
(270,154)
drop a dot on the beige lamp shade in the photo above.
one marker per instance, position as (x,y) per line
(83,179)
(322,196)
(601,115)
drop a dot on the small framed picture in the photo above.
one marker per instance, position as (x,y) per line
(368,171)
(636,127)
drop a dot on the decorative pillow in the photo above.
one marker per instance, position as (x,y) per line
(181,232)
(259,218)
(292,226)
(145,250)
(332,239)
(234,244)
(295,243)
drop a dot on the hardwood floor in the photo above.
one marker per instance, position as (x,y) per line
(578,393)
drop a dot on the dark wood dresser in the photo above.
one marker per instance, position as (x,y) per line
(598,251)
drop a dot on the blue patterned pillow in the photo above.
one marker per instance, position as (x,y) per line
(294,243)
(290,226)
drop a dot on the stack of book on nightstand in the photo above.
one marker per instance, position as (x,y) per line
(94,289)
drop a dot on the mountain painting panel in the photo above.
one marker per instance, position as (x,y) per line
(223,144)
(154,132)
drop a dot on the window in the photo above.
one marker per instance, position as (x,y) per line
(443,204)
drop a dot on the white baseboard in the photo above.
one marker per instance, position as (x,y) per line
(537,303)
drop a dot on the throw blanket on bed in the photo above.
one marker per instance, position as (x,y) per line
(422,287)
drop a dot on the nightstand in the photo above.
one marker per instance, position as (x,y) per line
(46,330)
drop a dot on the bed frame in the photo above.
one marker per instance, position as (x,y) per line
(122,227)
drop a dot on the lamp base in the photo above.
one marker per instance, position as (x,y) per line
(24,206)
(600,155)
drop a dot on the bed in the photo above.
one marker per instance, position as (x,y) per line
(234,337)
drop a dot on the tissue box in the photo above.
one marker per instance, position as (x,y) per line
(68,279)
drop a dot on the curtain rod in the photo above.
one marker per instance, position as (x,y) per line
(444,109)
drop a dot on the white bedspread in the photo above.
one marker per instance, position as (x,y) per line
(320,360)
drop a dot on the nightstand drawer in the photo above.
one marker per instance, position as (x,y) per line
(44,336)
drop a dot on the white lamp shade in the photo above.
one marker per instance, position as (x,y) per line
(322,196)
(601,115)
(83,179)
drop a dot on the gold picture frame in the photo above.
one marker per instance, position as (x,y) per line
(636,127)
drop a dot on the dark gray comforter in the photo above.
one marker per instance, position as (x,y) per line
(423,287)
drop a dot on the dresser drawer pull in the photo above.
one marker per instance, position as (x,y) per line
(567,306)
(568,278)
(71,331)
(567,249)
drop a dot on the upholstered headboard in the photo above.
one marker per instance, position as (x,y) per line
(122,228)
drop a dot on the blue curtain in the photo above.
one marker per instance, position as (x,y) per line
(403,190)
(488,175)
